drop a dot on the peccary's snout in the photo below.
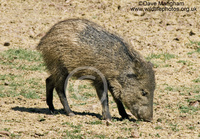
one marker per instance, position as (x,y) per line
(145,113)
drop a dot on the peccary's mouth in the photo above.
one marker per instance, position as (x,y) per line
(144,119)
(141,114)
(145,115)
(135,113)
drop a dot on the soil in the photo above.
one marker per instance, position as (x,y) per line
(172,36)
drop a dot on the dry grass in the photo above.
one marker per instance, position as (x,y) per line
(169,39)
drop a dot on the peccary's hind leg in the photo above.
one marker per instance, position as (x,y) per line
(120,106)
(61,93)
(103,96)
(49,93)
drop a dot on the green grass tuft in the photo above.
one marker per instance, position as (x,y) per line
(22,59)
(163,56)
(197,80)
(174,127)
(197,50)
(22,54)
(188,109)
(95,122)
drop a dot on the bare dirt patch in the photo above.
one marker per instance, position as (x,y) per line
(170,40)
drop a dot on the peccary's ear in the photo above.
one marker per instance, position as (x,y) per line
(138,61)
(138,66)
(130,73)
(136,57)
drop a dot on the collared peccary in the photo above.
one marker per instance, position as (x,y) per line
(77,43)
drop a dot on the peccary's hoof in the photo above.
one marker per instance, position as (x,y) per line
(107,118)
(126,117)
(51,111)
(71,114)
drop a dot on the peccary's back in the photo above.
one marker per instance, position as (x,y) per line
(77,42)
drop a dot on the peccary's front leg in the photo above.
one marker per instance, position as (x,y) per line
(49,93)
(103,97)
(121,109)
(120,106)
(61,93)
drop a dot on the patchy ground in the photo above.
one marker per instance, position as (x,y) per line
(169,39)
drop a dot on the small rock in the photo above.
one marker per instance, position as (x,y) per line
(108,122)
(119,7)
(135,134)
(183,117)
(43,98)
(139,13)
(195,103)
(159,120)
(6,83)
(42,119)
(169,28)
(40,35)
(52,5)
(38,134)
(19,98)
(191,33)
(176,39)
(6,44)
(6,133)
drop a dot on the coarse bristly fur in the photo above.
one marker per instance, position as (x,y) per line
(77,43)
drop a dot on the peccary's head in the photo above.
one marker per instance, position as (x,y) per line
(138,90)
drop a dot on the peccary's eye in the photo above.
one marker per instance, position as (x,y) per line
(144,93)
